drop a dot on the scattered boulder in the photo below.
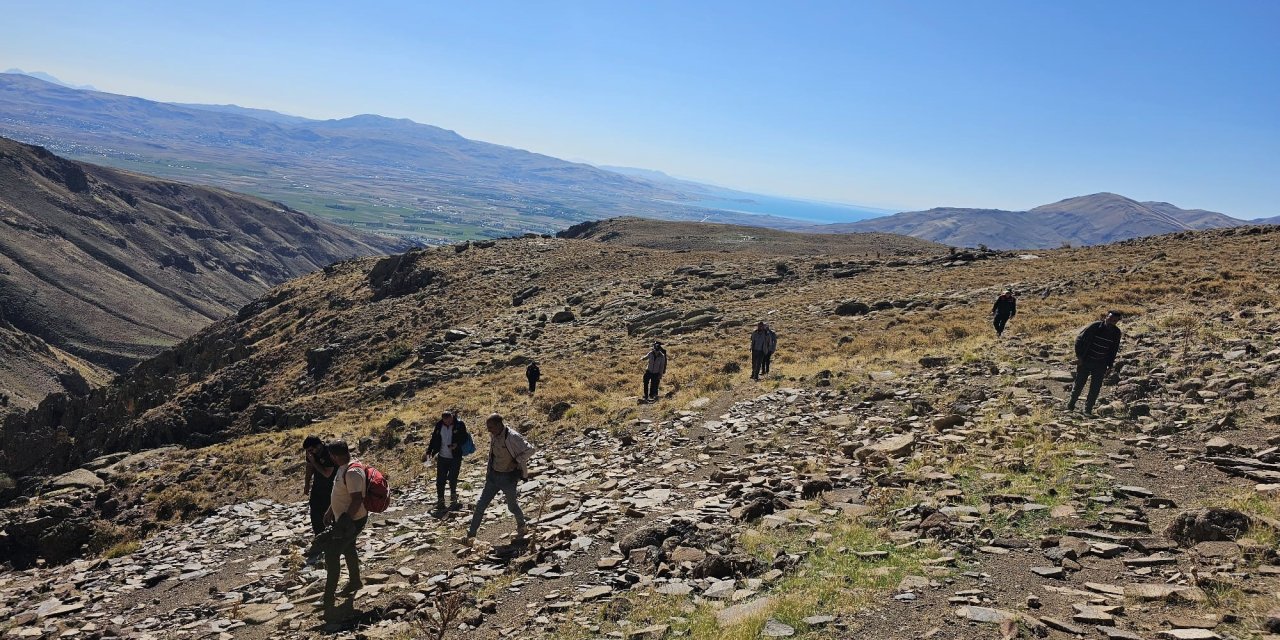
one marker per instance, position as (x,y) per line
(1206,525)
(892,447)
(853,308)
(654,534)
(558,410)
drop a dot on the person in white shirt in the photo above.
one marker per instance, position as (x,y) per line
(446,446)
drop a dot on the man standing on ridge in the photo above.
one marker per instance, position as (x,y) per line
(509,455)
(763,342)
(533,374)
(1096,349)
(1005,308)
(348,517)
(449,443)
(317,484)
(655,364)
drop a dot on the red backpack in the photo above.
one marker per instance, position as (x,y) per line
(377,497)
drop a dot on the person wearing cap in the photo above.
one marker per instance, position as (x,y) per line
(317,482)
(509,455)
(1096,349)
(1005,308)
(447,447)
(655,366)
(763,343)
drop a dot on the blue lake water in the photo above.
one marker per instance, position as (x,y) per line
(806,210)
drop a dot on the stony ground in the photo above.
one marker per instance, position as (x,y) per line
(933,490)
(1011,516)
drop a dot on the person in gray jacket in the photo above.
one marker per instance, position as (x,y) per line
(655,364)
(509,455)
(763,343)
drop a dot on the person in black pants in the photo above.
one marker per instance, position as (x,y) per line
(1005,308)
(318,482)
(655,364)
(347,517)
(447,446)
(533,374)
(1096,349)
(763,343)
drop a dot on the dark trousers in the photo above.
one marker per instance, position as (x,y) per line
(508,484)
(346,531)
(650,383)
(318,509)
(1000,321)
(757,364)
(1094,373)
(764,363)
(447,473)
(533,385)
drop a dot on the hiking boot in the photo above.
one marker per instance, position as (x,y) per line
(456,506)
(351,588)
(439,508)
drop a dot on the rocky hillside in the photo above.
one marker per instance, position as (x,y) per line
(1094,219)
(900,474)
(101,269)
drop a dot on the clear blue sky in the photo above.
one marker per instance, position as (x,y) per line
(894,104)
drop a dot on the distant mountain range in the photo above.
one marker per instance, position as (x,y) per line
(385,175)
(100,269)
(48,78)
(1094,219)
(427,184)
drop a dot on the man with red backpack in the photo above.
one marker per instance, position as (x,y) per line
(348,515)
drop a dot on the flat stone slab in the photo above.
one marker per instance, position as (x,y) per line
(740,613)
(985,614)
(1188,634)
(1172,592)
(258,613)
(77,479)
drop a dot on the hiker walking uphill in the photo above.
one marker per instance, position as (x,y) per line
(1096,349)
(509,455)
(533,374)
(449,443)
(317,483)
(1005,308)
(763,343)
(655,364)
(348,517)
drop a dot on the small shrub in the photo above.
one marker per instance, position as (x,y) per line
(388,360)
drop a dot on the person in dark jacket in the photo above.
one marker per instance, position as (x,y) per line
(655,365)
(763,343)
(318,481)
(1005,308)
(533,374)
(447,442)
(1096,349)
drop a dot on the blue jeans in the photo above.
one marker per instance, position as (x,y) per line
(494,482)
